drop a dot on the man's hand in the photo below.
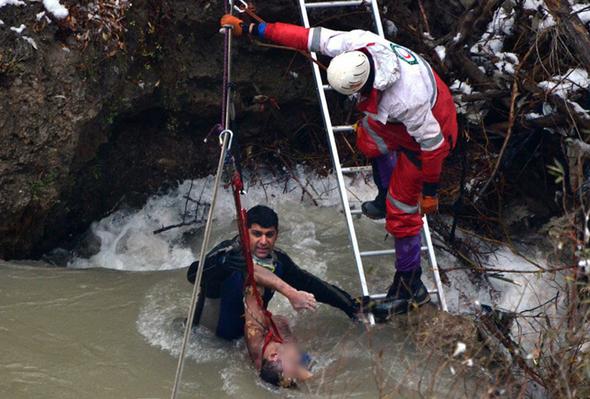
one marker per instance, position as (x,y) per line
(234,22)
(301,300)
(428,205)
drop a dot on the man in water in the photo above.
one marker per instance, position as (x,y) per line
(221,302)
(275,353)
(408,129)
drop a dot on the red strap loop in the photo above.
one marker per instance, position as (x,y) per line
(273,332)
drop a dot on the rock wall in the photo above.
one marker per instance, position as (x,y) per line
(82,132)
(107,106)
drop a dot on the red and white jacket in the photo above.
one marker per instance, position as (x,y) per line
(404,87)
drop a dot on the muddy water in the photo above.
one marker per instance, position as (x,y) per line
(104,333)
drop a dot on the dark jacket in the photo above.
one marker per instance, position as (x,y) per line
(226,262)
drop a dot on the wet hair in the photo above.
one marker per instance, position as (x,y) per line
(263,216)
(271,371)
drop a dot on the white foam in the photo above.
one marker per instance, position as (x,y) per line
(126,237)
(315,237)
(162,304)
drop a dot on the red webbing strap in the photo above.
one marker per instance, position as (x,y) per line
(250,10)
(273,332)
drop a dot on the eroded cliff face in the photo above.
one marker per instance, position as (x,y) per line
(83,131)
(109,105)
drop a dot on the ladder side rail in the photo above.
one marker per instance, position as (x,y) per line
(434,265)
(431,255)
(336,161)
(377,17)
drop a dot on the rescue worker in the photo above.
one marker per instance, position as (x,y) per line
(220,306)
(409,128)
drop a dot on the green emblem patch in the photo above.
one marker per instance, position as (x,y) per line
(404,54)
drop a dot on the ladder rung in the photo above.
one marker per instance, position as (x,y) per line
(383,252)
(324,90)
(330,4)
(343,129)
(357,169)
(382,296)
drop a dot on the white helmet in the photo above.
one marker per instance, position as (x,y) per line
(348,72)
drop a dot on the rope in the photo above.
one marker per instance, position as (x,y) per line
(225,138)
(225,161)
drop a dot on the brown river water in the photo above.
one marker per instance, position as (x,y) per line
(89,331)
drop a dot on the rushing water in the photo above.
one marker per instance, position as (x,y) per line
(102,327)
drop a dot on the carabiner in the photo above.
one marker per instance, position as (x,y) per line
(231,138)
(240,9)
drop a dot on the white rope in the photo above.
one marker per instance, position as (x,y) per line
(225,139)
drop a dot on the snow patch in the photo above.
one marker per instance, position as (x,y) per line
(507,62)
(461,347)
(441,51)
(18,30)
(492,41)
(532,115)
(428,36)
(547,22)
(465,108)
(562,85)
(31,41)
(461,87)
(583,12)
(532,4)
(56,8)
(578,109)
(11,3)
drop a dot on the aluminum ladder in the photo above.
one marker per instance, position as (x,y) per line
(331,129)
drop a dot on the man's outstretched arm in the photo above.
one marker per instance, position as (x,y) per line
(300,300)
(326,41)
(222,265)
(323,291)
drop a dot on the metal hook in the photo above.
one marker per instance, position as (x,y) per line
(231,138)
(243,8)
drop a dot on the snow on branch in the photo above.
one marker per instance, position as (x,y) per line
(55,8)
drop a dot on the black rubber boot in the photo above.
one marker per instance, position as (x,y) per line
(406,293)
(375,209)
